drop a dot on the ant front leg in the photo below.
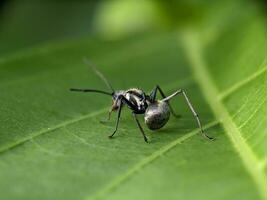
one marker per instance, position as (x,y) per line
(153,95)
(118,117)
(106,120)
(191,108)
(121,100)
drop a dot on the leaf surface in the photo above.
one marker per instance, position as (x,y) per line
(53,146)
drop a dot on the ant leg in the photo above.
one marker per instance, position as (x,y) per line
(140,127)
(118,119)
(106,120)
(191,108)
(153,95)
(122,100)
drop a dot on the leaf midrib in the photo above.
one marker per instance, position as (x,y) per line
(199,68)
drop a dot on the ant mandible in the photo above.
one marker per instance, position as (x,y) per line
(156,112)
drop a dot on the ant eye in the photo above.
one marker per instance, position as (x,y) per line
(142,97)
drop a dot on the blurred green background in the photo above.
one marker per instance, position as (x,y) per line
(26,23)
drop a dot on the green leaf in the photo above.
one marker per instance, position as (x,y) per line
(53,146)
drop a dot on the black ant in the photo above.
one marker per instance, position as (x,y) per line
(156,112)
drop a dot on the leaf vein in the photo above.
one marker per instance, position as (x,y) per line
(147,160)
(41,148)
(242,83)
(60,125)
(253,114)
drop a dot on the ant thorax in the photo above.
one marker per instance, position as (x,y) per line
(137,97)
(134,96)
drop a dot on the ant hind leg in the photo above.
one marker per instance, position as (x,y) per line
(180,91)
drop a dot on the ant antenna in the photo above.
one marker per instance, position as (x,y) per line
(89,90)
(100,75)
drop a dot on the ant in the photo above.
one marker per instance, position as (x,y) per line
(156,112)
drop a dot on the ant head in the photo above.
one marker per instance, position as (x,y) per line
(157,115)
(116,94)
(115,102)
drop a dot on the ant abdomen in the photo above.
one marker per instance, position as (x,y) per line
(157,115)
